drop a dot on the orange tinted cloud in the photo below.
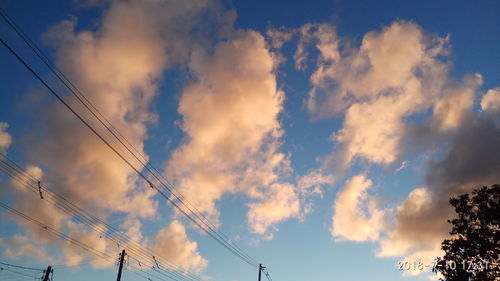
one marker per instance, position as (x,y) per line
(118,66)
(230,117)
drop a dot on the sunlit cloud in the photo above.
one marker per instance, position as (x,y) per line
(231,119)
(391,95)
(174,245)
(356,217)
(119,67)
(18,246)
(491,100)
(396,73)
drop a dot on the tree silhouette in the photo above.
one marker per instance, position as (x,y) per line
(472,252)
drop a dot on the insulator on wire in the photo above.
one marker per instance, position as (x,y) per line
(40,190)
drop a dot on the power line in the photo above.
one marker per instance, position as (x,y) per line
(151,169)
(91,108)
(268,276)
(21,267)
(81,216)
(199,220)
(19,274)
(54,231)
(109,126)
(14,272)
(75,216)
(80,244)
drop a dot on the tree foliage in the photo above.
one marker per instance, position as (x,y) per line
(472,252)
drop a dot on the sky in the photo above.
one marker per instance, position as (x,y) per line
(324,138)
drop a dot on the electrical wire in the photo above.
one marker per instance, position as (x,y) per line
(91,108)
(80,244)
(20,273)
(81,216)
(54,231)
(203,222)
(267,275)
(175,274)
(123,141)
(21,267)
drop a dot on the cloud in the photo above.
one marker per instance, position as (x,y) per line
(119,66)
(406,236)
(312,182)
(397,98)
(18,246)
(326,40)
(403,166)
(174,246)
(418,228)
(395,73)
(230,118)
(470,161)
(454,107)
(229,113)
(279,203)
(73,255)
(278,37)
(376,130)
(5,138)
(356,217)
(57,220)
(419,224)
(491,100)
(400,59)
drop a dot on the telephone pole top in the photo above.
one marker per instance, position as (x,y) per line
(48,271)
(122,257)
(260,270)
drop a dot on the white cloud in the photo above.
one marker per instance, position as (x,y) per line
(398,59)
(277,204)
(18,246)
(403,166)
(456,104)
(174,245)
(73,254)
(356,217)
(312,182)
(373,130)
(491,100)
(396,74)
(230,117)
(326,41)
(118,65)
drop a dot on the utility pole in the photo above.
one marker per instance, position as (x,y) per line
(260,270)
(122,257)
(48,271)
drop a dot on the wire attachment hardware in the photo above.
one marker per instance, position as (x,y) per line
(40,190)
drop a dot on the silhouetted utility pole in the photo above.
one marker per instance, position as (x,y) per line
(260,270)
(48,271)
(122,257)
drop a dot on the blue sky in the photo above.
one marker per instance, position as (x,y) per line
(323,138)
